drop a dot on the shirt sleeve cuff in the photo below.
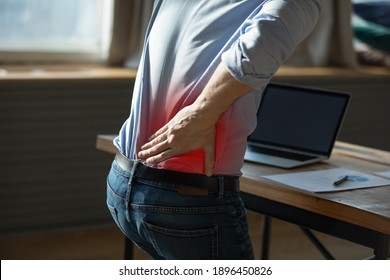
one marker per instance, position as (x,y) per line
(241,69)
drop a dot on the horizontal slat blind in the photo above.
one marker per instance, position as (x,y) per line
(52,176)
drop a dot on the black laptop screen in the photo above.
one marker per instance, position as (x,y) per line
(300,118)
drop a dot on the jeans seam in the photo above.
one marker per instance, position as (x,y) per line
(114,194)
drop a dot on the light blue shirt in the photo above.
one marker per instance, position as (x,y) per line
(185,42)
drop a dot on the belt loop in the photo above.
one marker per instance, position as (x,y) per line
(133,172)
(221,185)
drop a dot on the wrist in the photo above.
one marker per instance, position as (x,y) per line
(208,110)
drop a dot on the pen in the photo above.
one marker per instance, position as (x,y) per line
(340,181)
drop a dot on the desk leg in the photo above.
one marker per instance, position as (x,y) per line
(266,229)
(317,243)
(128,249)
(380,242)
(382,248)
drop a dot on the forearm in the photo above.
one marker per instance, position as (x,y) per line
(219,94)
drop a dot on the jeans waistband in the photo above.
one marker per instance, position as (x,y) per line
(188,183)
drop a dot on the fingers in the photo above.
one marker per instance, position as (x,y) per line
(163,151)
(155,141)
(158,132)
(179,137)
(156,152)
(161,156)
(154,147)
(159,136)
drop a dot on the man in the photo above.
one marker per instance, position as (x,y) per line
(173,187)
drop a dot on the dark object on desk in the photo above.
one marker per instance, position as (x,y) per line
(296,125)
(340,181)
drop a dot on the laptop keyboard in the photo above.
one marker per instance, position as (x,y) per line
(282,154)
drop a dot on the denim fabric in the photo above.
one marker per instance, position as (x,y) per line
(168,225)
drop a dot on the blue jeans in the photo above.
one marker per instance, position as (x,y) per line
(168,225)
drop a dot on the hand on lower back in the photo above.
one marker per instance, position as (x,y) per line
(188,131)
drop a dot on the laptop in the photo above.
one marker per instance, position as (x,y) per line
(296,125)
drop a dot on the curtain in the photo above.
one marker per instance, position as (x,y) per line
(130,21)
(330,44)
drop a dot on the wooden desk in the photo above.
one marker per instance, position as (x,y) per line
(361,216)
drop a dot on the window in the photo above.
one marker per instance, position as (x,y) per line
(54,30)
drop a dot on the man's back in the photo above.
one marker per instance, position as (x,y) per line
(184,46)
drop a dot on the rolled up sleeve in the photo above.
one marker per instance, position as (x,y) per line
(267,39)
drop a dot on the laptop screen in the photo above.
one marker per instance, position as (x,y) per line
(300,118)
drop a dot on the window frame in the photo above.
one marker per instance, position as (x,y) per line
(97,54)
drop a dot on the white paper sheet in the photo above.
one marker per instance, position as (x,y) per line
(385,174)
(322,180)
